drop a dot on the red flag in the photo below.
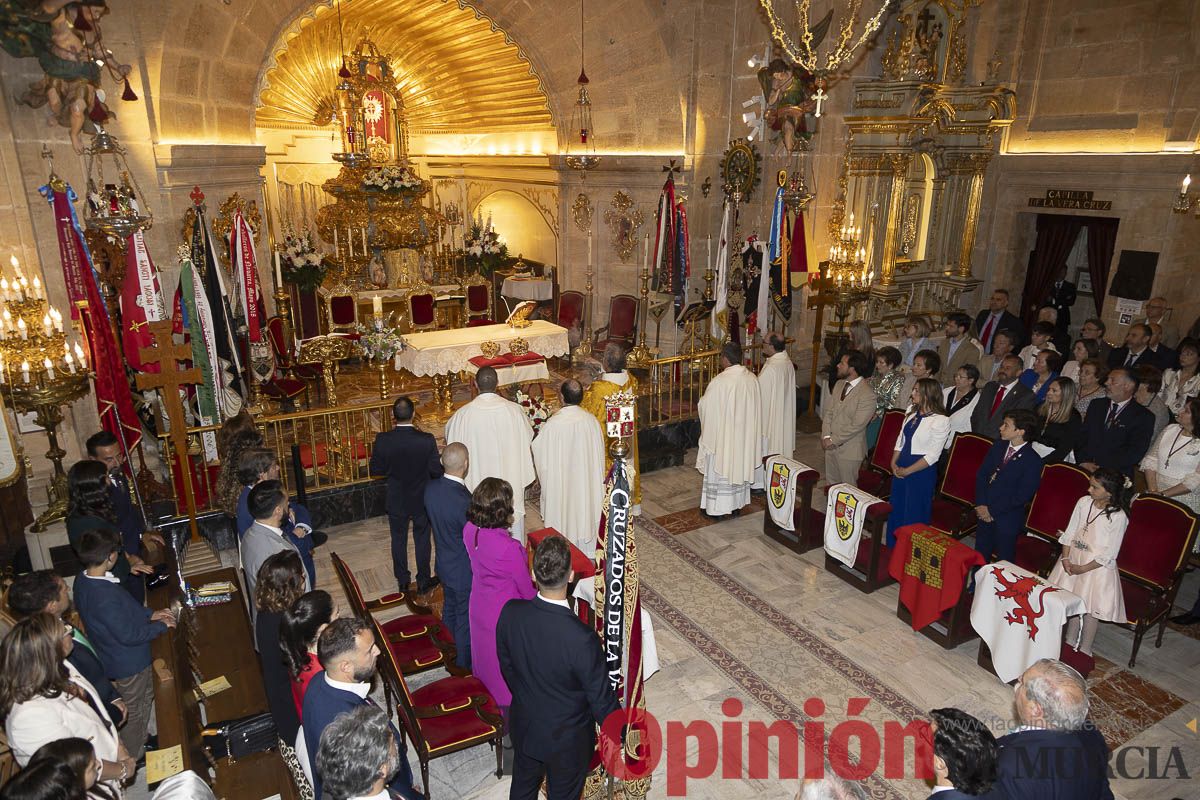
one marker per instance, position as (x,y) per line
(141,302)
(113,399)
(799,255)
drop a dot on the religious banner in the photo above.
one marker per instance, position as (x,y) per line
(931,567)
(245,272)
(1020,616)
(781,489)
(203,257)
(661,271)
(113,398)
(195,317)
(141,301)
(845,517)
(720,313)
(777,244)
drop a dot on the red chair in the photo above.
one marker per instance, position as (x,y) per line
(876,476)
(1153,558)
(1059,490)
(953,509)
(284,361)
(341,309)
(570,309)
(622,323)
(872,562)
(422,308)
(285,390)
(479,301)
(443,717)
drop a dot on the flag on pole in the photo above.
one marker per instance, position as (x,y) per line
(141,302)
(775,246)
(204,259)
(796,260)
(681,268)
(113,398)
(720,311)
(196,318)
(245,276)
(664,239)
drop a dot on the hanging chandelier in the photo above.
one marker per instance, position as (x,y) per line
(581,147)
(848,259)
(115,204)
(804,52)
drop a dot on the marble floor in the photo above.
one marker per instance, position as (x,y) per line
(738,617)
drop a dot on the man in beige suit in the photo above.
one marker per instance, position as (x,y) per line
(848,411)
(957,348)
(989,365)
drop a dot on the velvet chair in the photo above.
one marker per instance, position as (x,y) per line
(1060,488)
(875,476)
(479,301)
(809,531)
(1153,557)
(341,309)
(443,717)
(570,309)
(953,509)
(284,361)
(871,563)
(622,323)
(422,309)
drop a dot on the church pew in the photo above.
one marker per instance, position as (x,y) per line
(870,571)
(810,529)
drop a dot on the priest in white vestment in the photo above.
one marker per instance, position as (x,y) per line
(569,455)
(497,435)
(730,435)
(777,385)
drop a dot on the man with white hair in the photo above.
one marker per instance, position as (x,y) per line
(357,756)
(831,787)
(1056,752)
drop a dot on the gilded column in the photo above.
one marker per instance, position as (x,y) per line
(974,165)
(895,213)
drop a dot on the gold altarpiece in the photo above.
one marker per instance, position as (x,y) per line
(919,142)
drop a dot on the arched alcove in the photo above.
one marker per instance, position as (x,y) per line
(521,224)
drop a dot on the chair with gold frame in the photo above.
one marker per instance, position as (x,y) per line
(478,291)
(341,310)
(420,301)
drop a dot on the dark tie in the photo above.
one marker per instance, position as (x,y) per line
(999,399)
(1113,410)
(1130,359)
(845,390)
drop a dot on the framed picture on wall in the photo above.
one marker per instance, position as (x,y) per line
(1083,281)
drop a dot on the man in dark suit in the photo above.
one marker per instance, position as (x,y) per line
(408,458)
(1117,429)
(1056,753)
(555,667)
(1007,480)
(446,503)
(347,652)
(104,447)
(1000,396)
(1162,356)
(964,755)
(997,317)
(1094,329)
(1061,298)
(1136,350)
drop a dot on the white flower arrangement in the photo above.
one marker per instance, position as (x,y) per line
(302,264)
(393,180)
(379,341)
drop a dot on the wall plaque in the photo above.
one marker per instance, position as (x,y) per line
(1068,198)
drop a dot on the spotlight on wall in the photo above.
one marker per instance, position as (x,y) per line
(757,62)
(1185,203)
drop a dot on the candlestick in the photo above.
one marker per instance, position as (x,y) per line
(49,369)
(278,270)
(21,328)
(25,371)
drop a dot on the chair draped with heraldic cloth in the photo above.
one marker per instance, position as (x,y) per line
(622,323)
(478,291)
(872,557)
(1154,555)
(809,527)
(421,303)
(1059,489)
(876,476)
(953,509)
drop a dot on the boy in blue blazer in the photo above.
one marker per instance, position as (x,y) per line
(1004,485)
(120,629)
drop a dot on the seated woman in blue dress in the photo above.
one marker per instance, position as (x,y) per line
(1046,367)
(914,462)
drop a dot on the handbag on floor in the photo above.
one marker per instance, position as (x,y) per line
(238,738)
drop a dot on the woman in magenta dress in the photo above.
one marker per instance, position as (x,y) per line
(500,572)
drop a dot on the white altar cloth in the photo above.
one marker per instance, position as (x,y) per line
(444,352)
(528,288)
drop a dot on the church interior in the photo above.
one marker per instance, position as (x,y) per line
(297,211)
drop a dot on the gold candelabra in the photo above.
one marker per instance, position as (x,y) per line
(641,353)
(40,371)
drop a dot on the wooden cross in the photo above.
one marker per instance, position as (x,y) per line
(168,381)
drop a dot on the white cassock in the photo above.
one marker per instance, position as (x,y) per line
(497,435)
(730,440)
(777,385)
(569,455)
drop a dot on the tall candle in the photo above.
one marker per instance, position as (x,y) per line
(350,242)
(377,305)
(37,287)
(70,363)
(335,241)
(709,241)
(1187,181)
(21,328)
(589,261)
(49,369)
(46,325)
(645,252)
(365,248)
(25,371)
(4,289)
(79,355)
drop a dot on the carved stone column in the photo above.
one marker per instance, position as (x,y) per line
(899,163)
(972,166)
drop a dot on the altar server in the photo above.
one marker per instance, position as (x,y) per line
(777,384)
(730,435)
(497,435)
(569,455)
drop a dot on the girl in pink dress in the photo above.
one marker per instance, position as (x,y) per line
(499,573)
(1088,566)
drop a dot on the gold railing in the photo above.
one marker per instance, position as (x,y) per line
(334,447)
(674,386)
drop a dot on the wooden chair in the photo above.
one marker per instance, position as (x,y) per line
(418,641)
(443,717)
(876,475)
(479,301)
(570,308)
(622,323)
(1059,489)
(421,303)
(809,533)
(1152,560)
(871,564)
(953,509)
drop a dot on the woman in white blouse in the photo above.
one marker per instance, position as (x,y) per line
(1180,384)
(43,698)
(1081,351)
(1172,465)
(960,398)
(914,461)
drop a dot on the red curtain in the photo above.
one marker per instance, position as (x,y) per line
(1102,239)
(1056,235)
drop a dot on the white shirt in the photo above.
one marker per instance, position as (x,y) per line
(954,343)
(277,531)
(1120,408)
(455,478)
(108,576)
(852,384)
(381,796)
(562,603)
(360,689)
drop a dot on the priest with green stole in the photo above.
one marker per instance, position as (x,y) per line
(730,435)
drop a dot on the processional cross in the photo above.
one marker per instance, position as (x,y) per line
(168,381)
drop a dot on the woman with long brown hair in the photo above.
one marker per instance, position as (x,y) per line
(236,435)
(89,507)
(43,698)
(914,460)
(280,583)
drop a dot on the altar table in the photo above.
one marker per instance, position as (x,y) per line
(447,352)
(523,288)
